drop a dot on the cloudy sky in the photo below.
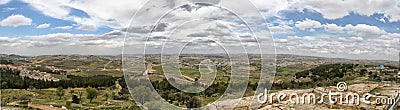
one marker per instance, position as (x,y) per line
(355,29)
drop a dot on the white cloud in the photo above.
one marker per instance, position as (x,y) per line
(364,30)
(281,41)
(8,9)
(7,40)
(2,2)
(64,27)
(272,7)
(384,47)
(45,25)
(11,42)
(87,27)
(114,14)
(16,20)
(308,24)
(333,28)
(112,39)
(356,39)
(280,29)
(294,38)
(334,9)
(394,35)
(54,8)
(308,38)
(382,20)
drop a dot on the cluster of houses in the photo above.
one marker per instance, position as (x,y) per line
(37,75)
(32,74)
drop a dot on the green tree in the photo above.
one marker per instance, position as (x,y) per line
(60,92)
(4,85)
(286,84)
(75,99)
(91,94)
(363,71)
(194,102)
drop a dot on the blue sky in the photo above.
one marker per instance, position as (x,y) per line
(299,27)
(20,8)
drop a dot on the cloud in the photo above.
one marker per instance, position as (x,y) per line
(2,2)
(16,20)
(8,9)
(308,24)
(334,9)
(333,28)
(199,34)
(360,30)
(297,38)
(272,7)
(281,29)
(114,14)
(4,40)
(356,39)
(294,38)
(137,29)
(87,27)
(63,27)
(394,35)
(384,47)
(364,30)
(382,20)
(281,41)
(45,25)
(111,39)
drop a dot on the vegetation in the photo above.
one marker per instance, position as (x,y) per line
(12,80)
(91,93)
(327,71)
(193,102)
(95,86)
(60,92)
(75,99)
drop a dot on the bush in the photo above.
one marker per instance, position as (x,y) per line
(68,103)
(75,99)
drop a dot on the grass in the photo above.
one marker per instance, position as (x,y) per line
(113,73)
(290,70)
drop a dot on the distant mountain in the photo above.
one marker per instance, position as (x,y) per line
(13,56)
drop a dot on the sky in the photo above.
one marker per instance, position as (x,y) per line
(354,29)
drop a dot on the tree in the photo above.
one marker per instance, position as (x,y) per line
(75,99)
(286,84)
(91,93)
(194,102)
(141,94)
(60,92)
(363,71)
(4,85)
